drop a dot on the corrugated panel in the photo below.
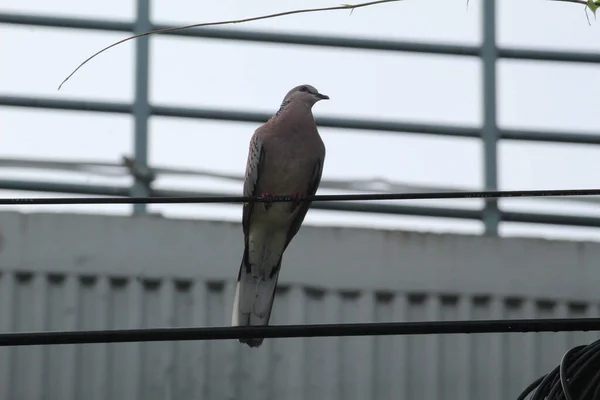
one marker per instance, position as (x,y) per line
(98,272)
(415,367)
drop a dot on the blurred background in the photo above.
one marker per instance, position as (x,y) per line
(401,87)
(425,96)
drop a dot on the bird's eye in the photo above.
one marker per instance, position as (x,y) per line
(303,89)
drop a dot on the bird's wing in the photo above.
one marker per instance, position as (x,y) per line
(254,167)
(302,208)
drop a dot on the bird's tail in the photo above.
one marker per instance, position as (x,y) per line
(253,300)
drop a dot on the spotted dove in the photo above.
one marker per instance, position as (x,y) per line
(286,157)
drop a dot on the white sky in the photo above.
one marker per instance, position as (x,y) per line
(255,76)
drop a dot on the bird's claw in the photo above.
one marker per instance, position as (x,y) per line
(267,200)
(297,198)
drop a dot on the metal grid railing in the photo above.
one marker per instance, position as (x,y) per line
(141,110)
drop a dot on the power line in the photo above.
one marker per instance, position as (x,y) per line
(287,198)
(117,170)
(301,331)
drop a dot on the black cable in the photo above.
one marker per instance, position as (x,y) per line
(531,387)
(556,387)
(340,197)
(295,331)
(545,386)
(576,377)
(581,356)
(594,385)
(563,372)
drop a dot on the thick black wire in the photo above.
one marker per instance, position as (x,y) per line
(581,356)
(563,372)
(287,198)
(554,388)
(596,383)
(295,331)
(543,388)
(576,377)
(538,382)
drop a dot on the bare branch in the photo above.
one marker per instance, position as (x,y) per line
(235,21)
(351,7)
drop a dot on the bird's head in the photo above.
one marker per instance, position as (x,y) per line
(306,94)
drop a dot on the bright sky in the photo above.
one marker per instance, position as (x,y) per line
(253,76)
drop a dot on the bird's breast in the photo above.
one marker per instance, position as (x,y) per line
(291,170)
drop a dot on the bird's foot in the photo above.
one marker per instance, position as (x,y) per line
(267,200)
(297,198)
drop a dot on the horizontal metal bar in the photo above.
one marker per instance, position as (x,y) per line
(74,105)
(548,136)
(298,39)
(308,40)
(548,55)
(238,116)
(325,41)
(63,187)
(392,126)
(201,113)
(552,219)
(436,212)
(249,35)
(66,22)
(331,122)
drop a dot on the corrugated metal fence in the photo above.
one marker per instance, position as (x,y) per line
(73,272)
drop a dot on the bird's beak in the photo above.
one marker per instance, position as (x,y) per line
(322,96)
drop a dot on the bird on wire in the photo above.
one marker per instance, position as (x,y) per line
(286,156)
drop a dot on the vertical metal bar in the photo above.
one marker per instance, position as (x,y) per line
(141,107)
(491,214)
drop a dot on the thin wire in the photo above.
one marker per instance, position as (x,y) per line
(296,331)
(493,194)
(111,169)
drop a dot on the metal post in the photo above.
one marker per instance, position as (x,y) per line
(491,214)
(141,107)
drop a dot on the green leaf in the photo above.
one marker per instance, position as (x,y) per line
(593,5)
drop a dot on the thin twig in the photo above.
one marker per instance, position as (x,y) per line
(582,2)
(234,21)
(351,7)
